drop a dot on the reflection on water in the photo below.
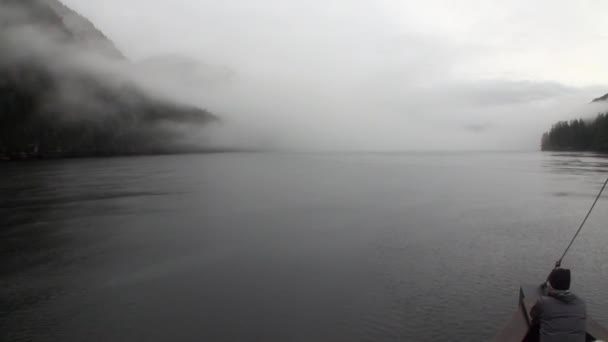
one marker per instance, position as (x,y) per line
(335,247)
(577,163)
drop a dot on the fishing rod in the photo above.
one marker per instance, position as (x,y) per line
(558,263)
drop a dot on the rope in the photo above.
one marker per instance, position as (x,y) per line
(559,261)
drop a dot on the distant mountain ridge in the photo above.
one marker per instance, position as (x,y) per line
(601,98)
(50,107)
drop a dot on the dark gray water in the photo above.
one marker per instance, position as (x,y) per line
(300,247)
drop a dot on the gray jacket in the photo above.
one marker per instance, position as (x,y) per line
(561,316)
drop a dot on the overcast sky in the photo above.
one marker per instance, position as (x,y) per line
(383,74)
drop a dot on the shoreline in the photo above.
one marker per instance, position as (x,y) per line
(23,157)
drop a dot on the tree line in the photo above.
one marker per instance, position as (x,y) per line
(578,135)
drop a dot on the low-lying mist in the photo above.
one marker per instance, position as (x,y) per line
(320,82)
(372,108)
(349,75)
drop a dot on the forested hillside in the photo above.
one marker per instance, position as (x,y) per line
(52,106)
(578,135)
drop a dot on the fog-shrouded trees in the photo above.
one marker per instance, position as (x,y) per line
(49,108)
(578,135)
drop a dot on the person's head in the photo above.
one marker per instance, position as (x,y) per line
(559,279)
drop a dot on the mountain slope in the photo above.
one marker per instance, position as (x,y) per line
(56,100)
(84,31)
(601,98)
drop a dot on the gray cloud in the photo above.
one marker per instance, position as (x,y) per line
(477,128)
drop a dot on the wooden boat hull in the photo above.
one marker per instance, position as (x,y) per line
(518,328)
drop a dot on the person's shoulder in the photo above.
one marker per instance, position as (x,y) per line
(547,300)
(579,299)
(542,300)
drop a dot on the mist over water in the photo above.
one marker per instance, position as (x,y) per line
(291,247)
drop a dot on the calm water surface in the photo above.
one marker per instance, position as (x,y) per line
(291,247)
